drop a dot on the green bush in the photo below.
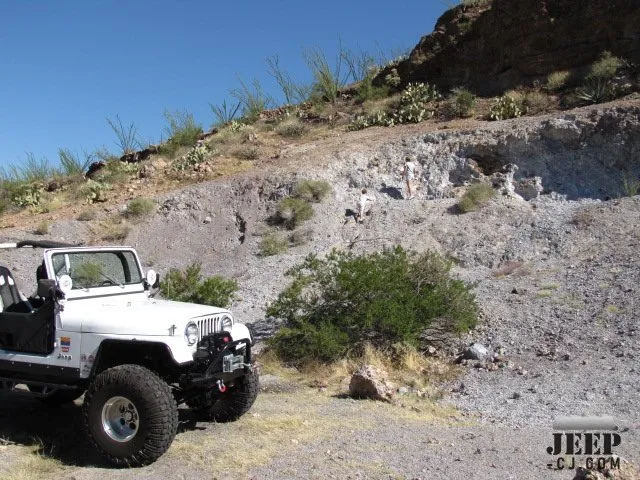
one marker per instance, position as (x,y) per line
(476,196)
(605,67)
(312,190)
(462,102)
(272,244)
(139,207)
(293,211)
(557,80)
(505,107)
(188,286)
(181,130)
(368,91)
(344,301)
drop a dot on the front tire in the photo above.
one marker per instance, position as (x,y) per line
(237,400)
(130,415)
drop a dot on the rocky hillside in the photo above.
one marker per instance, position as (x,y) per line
(492,46)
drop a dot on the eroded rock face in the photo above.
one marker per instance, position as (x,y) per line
(505,43)
(371,382)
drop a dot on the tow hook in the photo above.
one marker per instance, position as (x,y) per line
(221,386)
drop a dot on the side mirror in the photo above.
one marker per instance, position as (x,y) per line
(152,279)
(46,287)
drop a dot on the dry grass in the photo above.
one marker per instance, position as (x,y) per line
(112,229)
(32,464)
(405,367)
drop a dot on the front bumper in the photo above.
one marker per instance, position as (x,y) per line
(224,364)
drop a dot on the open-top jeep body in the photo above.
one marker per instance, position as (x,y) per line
(94,328)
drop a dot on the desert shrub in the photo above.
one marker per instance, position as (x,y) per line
(248,152)
(71,162)
(340,303)
(414,100)
(505,107)
(272,243)
(126,136)
(535,102)
(312,190)
(140,207)
(181,130)
(368,91)
(462,102)
(605,67)
(475,197)
(293,211)
(557,80)
(630,186)
(475,3)
(87,215)
(111,229)
(117,172)
(300,237)
(42,228)
(188,286)
(327,80)
(253,101)
(291,128)
(598,85)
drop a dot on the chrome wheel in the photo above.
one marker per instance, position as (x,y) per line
(120,419)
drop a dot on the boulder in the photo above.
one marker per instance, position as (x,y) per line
(476,351)
(371,382)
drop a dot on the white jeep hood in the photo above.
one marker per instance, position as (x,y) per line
(140,317)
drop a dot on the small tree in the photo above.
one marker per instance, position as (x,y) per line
(188,286)
(345,301)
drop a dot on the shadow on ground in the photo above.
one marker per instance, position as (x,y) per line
(58,431)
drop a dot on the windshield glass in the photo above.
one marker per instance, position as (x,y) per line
(97,269)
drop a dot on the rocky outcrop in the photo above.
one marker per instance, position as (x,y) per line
(501,44)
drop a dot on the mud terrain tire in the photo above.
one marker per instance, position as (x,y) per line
(130,415)
(237,400)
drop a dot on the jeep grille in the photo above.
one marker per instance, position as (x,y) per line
(209,325)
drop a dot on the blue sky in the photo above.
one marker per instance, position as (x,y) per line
(67,65)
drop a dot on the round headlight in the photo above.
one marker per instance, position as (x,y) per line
(191,333)
(227,323)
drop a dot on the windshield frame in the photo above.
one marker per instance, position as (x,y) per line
(98,290)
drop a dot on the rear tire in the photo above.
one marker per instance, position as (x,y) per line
(237,400)
(130,415)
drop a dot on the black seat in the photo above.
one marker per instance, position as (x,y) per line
(12,301)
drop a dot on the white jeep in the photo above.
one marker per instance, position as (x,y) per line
(94,328)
